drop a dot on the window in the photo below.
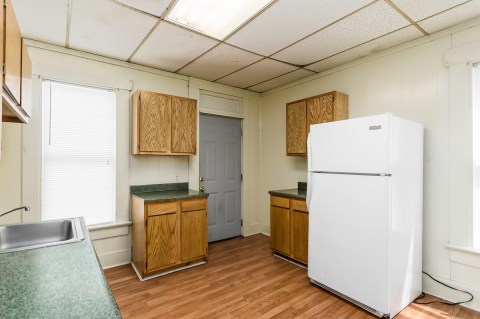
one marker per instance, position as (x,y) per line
(78,153)
(476,155)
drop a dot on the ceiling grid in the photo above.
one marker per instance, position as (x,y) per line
(284,41)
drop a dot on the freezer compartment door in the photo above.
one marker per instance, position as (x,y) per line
(357,145)
(349,236)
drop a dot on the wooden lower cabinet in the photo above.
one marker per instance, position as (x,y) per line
(168,235)
(289,227)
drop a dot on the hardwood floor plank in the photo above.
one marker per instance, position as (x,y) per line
(243,280)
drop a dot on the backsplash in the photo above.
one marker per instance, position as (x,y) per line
(158,187)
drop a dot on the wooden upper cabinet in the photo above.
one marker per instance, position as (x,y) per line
(13,54)
(328,107)
(184,125)
(17,76)
(163,124)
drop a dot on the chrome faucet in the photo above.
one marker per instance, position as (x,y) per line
(26,208)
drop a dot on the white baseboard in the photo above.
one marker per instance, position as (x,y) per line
(115,258)
(249,230)
(432,288)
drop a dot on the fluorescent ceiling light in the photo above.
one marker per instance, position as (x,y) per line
(216,18)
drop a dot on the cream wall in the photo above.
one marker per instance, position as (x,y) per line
(413,81)
(20,167)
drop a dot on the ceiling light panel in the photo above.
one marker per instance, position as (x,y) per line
(401,36)
(216,18)
(369,23)
(255,73)
(155,7)
(107,28)
(281,80)
(220,61)
(170,47)
(418,10)
(287,21)
(43,20)
(451,17)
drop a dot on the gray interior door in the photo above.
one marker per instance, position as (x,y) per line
(220,169)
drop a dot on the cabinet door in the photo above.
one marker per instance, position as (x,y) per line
(154,122)
(26,97)
(13,51)
(314,112)
(184,125)
(297,128)
(327,108)
(300,235)
(280,229)
(162,241)
(193,234)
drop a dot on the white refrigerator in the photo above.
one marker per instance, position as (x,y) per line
(364,196)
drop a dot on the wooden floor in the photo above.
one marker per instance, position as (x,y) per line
(243,280)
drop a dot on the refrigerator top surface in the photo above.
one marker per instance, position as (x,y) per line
(360,145)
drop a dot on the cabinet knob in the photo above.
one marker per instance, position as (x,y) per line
(202,189)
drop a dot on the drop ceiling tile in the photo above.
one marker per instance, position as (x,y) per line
(170,47)
(43,20)
(374,21)
(287,21)
(155,7)
(220,61)
(420,9)
(107,28)
(255,73)
(281,80)
(401,36)
(451,17)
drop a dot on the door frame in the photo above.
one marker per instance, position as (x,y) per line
(194,161)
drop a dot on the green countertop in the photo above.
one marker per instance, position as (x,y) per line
(290,193)
(167,195)
(63,281)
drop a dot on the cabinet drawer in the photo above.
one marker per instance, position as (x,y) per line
(279,201)
(299,205)
(161,208)
(198,204)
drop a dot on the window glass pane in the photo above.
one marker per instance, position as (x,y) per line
(78,153)
(476,155)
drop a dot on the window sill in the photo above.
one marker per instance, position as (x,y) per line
(464,255)
(109,230)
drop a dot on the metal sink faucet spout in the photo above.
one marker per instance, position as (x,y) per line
(26,208)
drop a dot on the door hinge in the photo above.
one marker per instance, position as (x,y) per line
(5,3)
(241,222)
(241,177)
(241,131)
(4,69)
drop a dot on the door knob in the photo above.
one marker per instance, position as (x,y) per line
(201,179)
(202,189)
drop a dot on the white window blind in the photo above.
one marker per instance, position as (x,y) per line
(78,153)
(476,155)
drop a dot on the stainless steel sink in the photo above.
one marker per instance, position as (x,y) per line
(37,235)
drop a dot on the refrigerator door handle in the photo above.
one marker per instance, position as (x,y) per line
(309,171)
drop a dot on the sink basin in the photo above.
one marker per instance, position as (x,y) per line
(38,235)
